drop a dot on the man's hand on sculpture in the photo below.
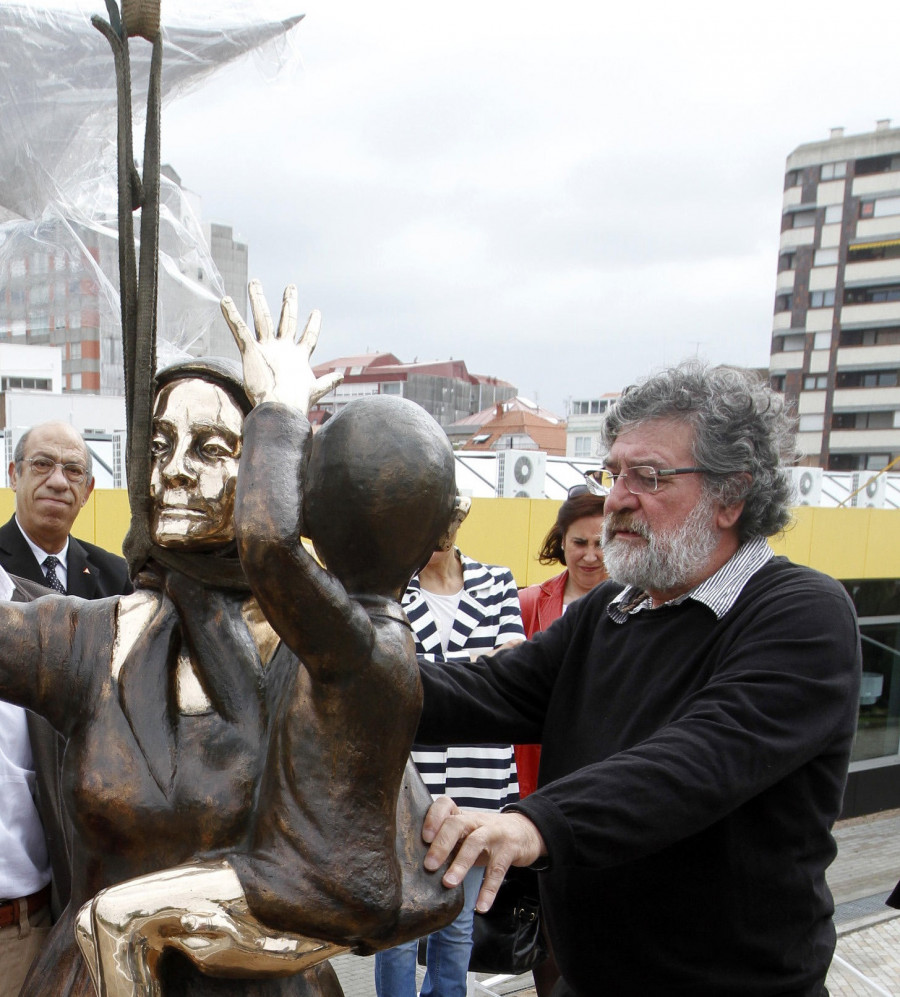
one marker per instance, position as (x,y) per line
(277,365)
(494,840)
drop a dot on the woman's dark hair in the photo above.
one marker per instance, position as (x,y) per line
(586,504)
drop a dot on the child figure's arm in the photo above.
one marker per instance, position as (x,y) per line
(306,605)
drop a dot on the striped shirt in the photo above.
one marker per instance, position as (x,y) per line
(477,777)
(719,592)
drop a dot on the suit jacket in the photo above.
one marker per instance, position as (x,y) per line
(93,573)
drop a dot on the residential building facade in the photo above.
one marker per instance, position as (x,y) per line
(836,330)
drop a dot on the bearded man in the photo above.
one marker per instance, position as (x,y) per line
(696,716)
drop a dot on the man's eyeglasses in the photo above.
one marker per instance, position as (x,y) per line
(43,466)
(640,480)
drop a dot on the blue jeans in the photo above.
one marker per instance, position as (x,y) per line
(447,960)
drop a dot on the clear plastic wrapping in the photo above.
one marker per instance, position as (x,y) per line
(58,235)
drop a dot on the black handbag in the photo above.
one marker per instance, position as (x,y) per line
(508,938)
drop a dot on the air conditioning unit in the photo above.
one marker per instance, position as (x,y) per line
(119,444)
(520,473)
(874,491)
(807,485)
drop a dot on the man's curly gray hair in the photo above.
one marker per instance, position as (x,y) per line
(742,435)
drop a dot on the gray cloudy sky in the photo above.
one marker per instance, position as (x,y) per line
(564,195)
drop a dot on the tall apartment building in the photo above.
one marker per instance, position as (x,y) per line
(836,331)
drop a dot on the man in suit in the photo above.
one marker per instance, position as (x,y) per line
(51,476)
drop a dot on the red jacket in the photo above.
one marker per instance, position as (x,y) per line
(541,605)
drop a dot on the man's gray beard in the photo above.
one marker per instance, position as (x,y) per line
(668,561)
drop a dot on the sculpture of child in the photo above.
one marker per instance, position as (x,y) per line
(328,867)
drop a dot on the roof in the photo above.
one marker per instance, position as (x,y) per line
(479,419)
(547,436)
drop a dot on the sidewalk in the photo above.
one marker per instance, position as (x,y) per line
(867,957)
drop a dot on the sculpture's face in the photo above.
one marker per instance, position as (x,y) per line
(196,446)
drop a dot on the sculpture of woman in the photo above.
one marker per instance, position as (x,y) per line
(160,768)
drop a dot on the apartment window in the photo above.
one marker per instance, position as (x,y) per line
(867,379)
(862,420)
(877,164)
(872,295)
(787,261)
(866,209)
(34,383)
(811,423)
(871,337)
(793,178)
(825,258)
(833,214)
(776,381)
(878,251)
(583,445)
(833,171)
(815,382)
(801,219)
(784,302)
(821,299)
(391,388)
(74,382)
(793,342)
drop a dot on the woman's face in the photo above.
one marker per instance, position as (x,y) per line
(195,447)
(584,553)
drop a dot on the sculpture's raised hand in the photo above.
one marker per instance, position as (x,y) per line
(276,364)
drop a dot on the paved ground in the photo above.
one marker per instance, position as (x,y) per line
(867,958)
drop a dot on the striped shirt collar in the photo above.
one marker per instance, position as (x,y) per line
(719,592)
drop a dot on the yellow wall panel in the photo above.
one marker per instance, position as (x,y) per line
(845,543)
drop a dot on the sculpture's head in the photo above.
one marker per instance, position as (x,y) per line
(198,419)
(380,490)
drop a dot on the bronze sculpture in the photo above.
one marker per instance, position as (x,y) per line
(375,490)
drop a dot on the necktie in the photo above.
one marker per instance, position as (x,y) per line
(51,579)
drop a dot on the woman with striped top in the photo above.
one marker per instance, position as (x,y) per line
(458,608)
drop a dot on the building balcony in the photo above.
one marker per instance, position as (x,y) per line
(792,197)
(830,192)
(811,402)
(784,282)
(782,362)
(864,357)
(871,315)
(798,237)
(876,183)
(855,440)
(871,272)
(865,399)
(781,321)
(823,278)
(877,228)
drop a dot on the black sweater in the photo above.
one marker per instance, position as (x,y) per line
(691,771)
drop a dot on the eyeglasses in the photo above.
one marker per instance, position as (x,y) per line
(43,466)
(640,480)
(591,486)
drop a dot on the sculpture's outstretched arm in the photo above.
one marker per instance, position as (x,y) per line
(331,629)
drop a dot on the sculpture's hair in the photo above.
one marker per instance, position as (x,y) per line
(221,371)
(585,504)
(19,453)
(742,435)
